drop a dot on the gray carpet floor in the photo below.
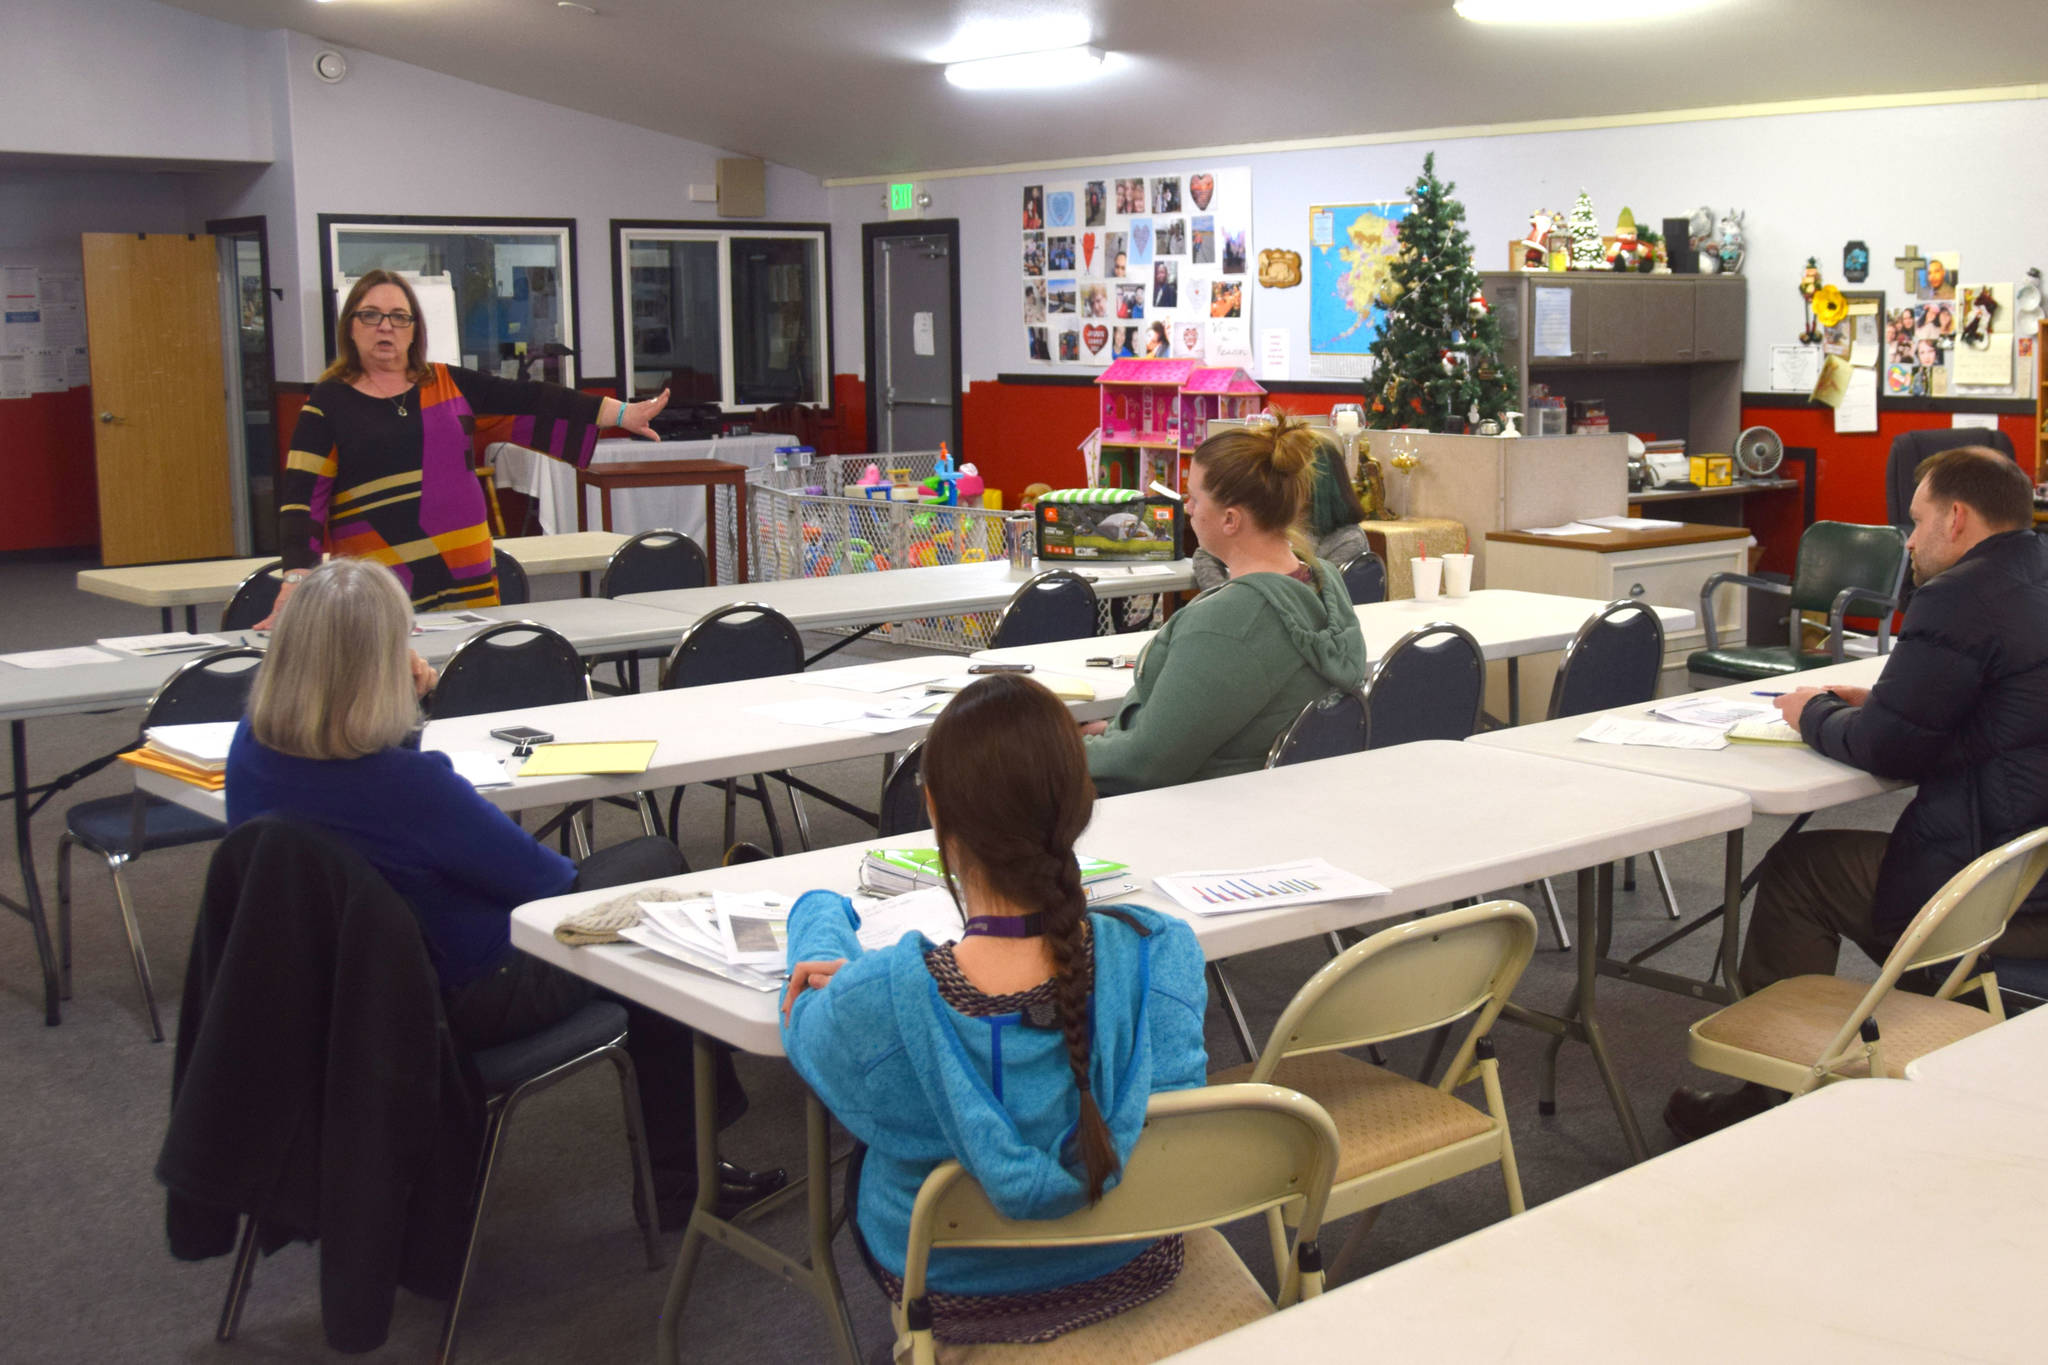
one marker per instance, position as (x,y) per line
(85,1275)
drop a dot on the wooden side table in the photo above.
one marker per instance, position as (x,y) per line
(709,475)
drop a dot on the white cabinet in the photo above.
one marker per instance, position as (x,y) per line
(1665,568)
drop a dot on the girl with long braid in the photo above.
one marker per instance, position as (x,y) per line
(1028,1050)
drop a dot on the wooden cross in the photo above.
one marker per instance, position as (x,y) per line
(1912,263)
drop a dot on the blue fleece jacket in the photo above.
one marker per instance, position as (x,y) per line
(459,861)
(920,1083)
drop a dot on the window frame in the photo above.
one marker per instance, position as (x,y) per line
(563,229)
(721,231)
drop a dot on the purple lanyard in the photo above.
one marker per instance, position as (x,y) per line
(1006,926)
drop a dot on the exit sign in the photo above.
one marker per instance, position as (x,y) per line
(902,196)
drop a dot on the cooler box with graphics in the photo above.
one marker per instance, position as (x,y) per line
(1108,525)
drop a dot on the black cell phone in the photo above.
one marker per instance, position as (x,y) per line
(999,668)
(522,736)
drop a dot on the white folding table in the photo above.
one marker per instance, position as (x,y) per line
(196,583)
(2008,1060)
(868,601)
(1871,1221)
(1381,814)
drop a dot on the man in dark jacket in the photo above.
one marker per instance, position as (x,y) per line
(1961,709)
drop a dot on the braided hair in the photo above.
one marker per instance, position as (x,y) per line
(1010,793)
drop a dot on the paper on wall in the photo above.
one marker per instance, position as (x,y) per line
(1857,412)
(1984,332)
(1550,332)
(1987,420)
(14,377)
(1275,353)
(46,370)
(1794,368)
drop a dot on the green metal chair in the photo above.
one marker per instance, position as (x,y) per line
(1842,567)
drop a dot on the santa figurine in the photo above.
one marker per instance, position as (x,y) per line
(1534,251)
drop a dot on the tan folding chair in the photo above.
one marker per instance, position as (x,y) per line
(1207,1157)
(1400,1135)
(1806,1031)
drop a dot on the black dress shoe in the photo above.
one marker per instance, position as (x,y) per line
(1691,1114)
(738,1187)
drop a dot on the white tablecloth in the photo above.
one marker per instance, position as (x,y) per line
(553,484)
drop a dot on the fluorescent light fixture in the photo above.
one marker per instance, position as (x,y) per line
(1534,14)
(1029,70)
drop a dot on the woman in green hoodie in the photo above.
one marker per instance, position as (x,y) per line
(1229,671)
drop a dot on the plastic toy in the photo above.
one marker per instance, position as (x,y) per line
(971,485)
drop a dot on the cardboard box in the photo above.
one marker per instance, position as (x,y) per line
(1712,471)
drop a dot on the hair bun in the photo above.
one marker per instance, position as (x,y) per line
(1294,447)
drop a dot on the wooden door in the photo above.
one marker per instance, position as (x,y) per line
(1719,308)
(152,313)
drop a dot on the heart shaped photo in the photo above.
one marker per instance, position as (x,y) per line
(1088,250)
(1191,339)
(1095,337)
(1201,188)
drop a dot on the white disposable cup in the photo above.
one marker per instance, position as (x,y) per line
(1457,575)
(1427,575)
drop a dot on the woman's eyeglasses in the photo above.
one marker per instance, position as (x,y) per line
(376,317)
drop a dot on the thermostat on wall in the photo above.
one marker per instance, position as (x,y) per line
(330,66)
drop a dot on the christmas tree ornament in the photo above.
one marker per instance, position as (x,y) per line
(1585,230)
(1855,262)
(1479,308)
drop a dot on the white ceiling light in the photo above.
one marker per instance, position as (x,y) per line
(1530,15)
(1029,70)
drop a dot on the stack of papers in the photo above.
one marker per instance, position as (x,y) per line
(1655,734)
(930,912)
(740,936)
(177,642)
(1570,528)
(1308,882)
(197,754)
(889,871)
(430,622)
(1631,523)
(1715,713)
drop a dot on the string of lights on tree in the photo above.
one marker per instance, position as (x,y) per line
(1436,361)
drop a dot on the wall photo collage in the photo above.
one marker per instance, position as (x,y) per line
(1144,266)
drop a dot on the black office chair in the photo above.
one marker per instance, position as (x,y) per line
(903,810)
(733,644)
(1328,727)
(1616,659)
(254,598)
(653,561)
(518,663)
(1365,578)
(510,1073)
(1843,569)
(1431,685)
(120,829)
(1056,605)
(513,589)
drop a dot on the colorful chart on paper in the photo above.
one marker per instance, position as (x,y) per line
(1350,249)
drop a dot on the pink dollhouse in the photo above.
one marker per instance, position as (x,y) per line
(1156,411)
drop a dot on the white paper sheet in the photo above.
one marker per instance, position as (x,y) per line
(176,642)
(1630,523)
(1714,713)
(1307,882)
(1858,409)
(883,677)
(1654,734)
(1276,353)
(930,911)
(1570,528)
(482,769)
(1551,324)
(1795,369)
(205,744)
(60,658)
(432,622)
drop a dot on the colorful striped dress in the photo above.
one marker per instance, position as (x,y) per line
(394,479)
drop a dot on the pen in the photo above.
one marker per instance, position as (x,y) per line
(1767,694)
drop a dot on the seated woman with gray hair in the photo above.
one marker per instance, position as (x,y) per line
(332,740)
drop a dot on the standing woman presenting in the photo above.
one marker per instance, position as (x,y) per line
(381,461)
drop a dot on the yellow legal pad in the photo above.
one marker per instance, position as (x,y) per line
(564,760)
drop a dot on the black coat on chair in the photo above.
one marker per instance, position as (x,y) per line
(316,1085)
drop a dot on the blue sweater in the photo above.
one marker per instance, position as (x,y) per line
(921,1083)
(458,860)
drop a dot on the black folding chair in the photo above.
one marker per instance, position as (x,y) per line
(1365,578)
(1430,685)
(734,644)
(1328,727)
(120,829)
(653,561)
(1615,660)
(254,598)
(1056,605)
(518,663)
(903,810)
(513,589)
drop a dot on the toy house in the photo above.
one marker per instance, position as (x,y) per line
(1154,412)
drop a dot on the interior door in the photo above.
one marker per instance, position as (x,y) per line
(152,310)
(916,379)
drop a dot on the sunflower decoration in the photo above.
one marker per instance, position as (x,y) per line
(1829,306)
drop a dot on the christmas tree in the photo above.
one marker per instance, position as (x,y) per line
(1436,362)
(1585,230)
